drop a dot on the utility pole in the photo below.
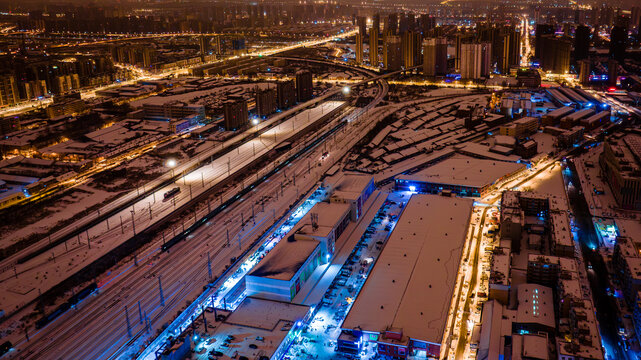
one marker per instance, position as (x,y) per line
(122,229)
(128,324)
(209,267)
(146,323)
(190,196)
(133,222)
(88,238)
(139,312)
(150,217)
(202,178)
(204,319)
(162,297)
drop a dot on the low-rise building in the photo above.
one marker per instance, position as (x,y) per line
(350,188)
(406,302)
(465,177)
(520,128)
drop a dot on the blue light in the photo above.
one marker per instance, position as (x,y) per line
(412,188)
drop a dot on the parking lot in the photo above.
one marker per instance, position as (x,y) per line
(325,324)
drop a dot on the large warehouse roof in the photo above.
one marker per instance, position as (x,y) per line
(284,260)
(465,172)
(412,283)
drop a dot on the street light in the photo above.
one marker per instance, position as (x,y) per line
(346,90)
(171,163)
(255,121)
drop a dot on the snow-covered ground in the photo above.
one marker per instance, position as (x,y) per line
(42,272)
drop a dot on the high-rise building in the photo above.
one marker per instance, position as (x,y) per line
(392,20)
(402,24)
(434,56)
(8,90)
(265,101)
(304,85)
(460,39)
(204,45)
(427,23)
(584,71)
(556,57)
(411,44)
(359,48)
(373,40)
(475,60)
(606,16)
(618,43)
(635,19)
(541,31)
(236,113)
(219,44)
(393,52)
(509,42)
(286,93)
(581,42)
(360,36)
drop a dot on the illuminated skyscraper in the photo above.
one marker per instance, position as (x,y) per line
(361,21)
(393,51)
(373,41)
(411,43)
(434,56)
(475,60)
(556,56)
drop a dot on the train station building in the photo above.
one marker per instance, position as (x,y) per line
(284,270)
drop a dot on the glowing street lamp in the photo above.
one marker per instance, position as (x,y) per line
(255,121)
(346,90)
(171,163)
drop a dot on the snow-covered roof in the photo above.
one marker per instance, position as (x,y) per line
(283,261)
(536,305)
(329,215)
(412,282)
(348,185)
(530,346)
(483,151)
(465,172)
(265,314)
